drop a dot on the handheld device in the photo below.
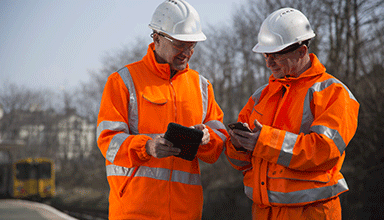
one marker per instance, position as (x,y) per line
(185,138)
(239,125)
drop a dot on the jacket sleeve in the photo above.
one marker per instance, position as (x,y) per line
(210,152)
(238,159)
(335,112)
(114,140)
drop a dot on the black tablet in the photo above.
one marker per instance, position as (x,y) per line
(185,138)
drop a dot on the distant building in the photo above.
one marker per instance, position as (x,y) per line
(47,133)
(76,136)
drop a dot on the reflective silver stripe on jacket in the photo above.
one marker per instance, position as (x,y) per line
(133,116)
(117,140)
(114,146)
(156,173)
(204,95)
(215,125)
(113,126)
(308,195)
(286,151)
(331,134)
(185,177)
(118,171)
(256,95)
(301,196)
(153,172)
(248,192)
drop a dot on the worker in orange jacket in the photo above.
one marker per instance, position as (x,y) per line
(147,180)
(301,123)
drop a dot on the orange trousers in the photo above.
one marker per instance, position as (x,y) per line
(327,210)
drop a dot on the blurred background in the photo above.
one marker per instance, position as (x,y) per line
(52,78)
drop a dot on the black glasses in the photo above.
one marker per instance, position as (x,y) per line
(280,54)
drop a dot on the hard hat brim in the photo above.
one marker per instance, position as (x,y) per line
(268,49)
(190,38)
(182,37)
(273,49)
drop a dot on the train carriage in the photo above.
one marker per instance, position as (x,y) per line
(33,179)
(46,177)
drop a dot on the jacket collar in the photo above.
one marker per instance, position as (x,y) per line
(315,69)
(162,70)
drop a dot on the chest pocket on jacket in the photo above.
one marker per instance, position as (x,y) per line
(155,100)
(154,109)
(261,113)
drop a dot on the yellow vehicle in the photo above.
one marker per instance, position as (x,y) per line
(33,178)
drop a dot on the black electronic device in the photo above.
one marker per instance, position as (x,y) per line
(185,138)
(242,127)
(239,126)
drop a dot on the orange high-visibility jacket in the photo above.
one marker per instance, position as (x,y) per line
(308,122)
(137,104)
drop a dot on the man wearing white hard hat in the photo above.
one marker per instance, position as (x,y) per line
(148,176)
(301,123)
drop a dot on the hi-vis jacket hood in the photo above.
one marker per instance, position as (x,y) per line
(138,102)
(308,122)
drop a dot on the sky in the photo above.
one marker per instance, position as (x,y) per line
(54,44)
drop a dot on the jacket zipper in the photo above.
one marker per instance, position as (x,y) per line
(280,104)
(174,99)
(173,159)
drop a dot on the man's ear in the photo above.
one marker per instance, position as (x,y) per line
(156,38)
(303,50)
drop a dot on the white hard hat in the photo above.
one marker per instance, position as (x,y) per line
(179,20)
(281,29)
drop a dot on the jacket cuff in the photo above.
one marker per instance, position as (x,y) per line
(269,144)
(235,152)
(140,147)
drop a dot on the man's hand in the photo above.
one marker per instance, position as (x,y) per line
(159,147)
(246,139)
(207,137)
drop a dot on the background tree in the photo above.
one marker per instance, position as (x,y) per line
(18,102)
